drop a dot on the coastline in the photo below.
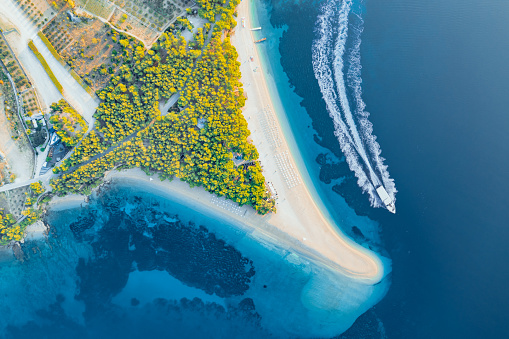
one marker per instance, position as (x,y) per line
(280,109)
(70,201)
(285,100)
(299,224)
(298,200)
(286,271)
(247,220)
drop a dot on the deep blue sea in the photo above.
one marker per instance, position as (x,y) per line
(432,74)
(435,80)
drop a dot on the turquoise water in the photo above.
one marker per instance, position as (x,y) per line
(145,286)
(434,78)
(133,263)
(312,158)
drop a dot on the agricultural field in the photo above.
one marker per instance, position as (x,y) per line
(90,47)
(13,67)
(154,14)
(99,8)
(14,144)
(133,25)
(31,104)
(9,102)
(145,19)
(57,31)
(40,11)
(13,201)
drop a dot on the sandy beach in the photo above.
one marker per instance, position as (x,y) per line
(68,202)
(297,213)
(287,228)
(299,224)
(37,231)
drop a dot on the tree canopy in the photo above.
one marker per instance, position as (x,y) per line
(194,141)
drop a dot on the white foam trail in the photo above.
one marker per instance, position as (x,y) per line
(353,143)
(321,60)
(339,51)
(354,80)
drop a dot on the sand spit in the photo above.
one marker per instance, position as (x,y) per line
(269,228)
(297,213)
(298,224)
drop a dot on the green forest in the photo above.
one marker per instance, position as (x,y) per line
(196,139)
(68,124)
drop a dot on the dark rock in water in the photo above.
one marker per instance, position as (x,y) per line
(358,233)
(127,231)
(83,223)
(353,197)
(331,170)
(247,304)
(50,323)
(18,252)
(147,238)
(367,326)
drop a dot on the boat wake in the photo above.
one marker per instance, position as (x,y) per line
(343,96)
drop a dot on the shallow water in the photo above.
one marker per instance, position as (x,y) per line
(132,263)
(434,80)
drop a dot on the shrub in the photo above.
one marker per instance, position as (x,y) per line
(46,66)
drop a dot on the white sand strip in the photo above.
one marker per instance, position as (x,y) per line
(297,214)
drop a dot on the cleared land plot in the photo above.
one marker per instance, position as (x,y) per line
(46,67)
(91,48)
(13,143)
